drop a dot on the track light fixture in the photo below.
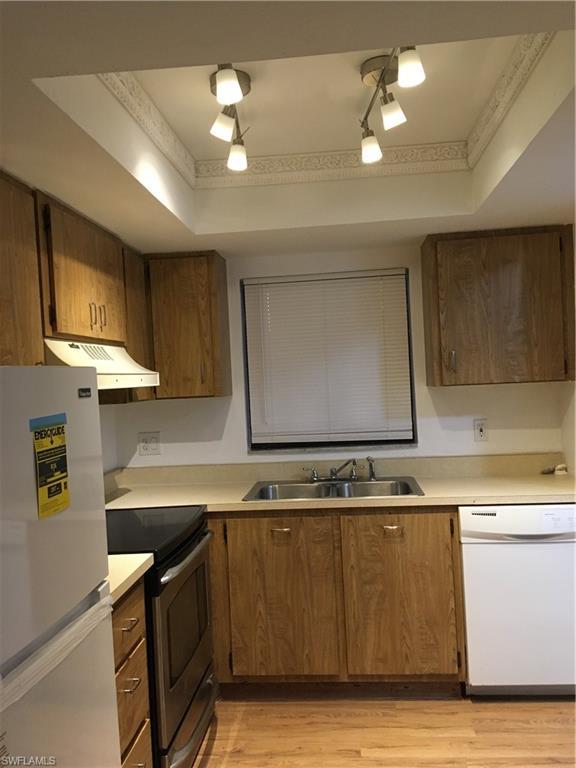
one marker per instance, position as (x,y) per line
(392,112)
(223,126)
(371,152)
(410,69)
(402,67)
(230,85)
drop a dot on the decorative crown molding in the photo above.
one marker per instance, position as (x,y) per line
(330,166)
(525,56)
(126,88)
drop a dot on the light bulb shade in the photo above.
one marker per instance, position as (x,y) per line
(223,126)
(371,151)
(228,90)
(410,69)
(392,114)
(237,160)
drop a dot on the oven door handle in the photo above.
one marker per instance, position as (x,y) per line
(176,570)
(188,748)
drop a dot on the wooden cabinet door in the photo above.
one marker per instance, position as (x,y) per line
(399,594)
(182,326)
(500,309)
(21,341)
(283,607)
(138,318)
(87,280)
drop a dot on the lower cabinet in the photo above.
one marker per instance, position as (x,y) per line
(283,603)
(338,596)
(399,594)
(128,627)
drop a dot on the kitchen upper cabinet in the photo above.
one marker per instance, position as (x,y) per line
(138,318)
(82,276)
(283,596)
(190,324)
(399,594)
(499,307)
(21,341)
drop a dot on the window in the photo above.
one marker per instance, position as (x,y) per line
(328,360)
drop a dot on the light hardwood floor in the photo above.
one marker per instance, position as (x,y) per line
(399,733)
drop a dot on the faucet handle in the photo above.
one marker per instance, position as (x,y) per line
(371,468)
(313,473)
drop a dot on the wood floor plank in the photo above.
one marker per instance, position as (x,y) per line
(364,733)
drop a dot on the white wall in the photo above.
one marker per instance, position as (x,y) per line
(521,418)
(108,422)
(569,429)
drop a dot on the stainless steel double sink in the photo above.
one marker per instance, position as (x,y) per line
(330,489)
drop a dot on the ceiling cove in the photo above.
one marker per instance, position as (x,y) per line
(342,164)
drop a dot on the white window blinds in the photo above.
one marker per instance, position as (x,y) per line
(328,358)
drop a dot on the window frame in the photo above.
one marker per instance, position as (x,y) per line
(295,447)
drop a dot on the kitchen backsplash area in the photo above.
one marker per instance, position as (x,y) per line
(521,418)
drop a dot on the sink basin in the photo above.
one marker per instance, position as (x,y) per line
(357,489)
(287,490)
(361,489)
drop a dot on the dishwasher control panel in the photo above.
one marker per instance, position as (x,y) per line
(519,522)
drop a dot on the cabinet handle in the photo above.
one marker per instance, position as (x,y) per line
(131,623)
(135,683)
(202,372)
(93,314)
(280,530)
(397,530)
(100,313)
(105,312)
(452,360)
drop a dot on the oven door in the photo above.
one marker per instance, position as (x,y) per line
(182,636)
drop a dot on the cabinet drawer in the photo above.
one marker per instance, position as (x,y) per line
(132,694)
(140,754)
(128,624)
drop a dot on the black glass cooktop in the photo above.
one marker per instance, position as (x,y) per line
(160,530)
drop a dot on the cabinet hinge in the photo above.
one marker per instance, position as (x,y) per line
(225,533)
(459,659)
(52,314)
(451,527)
(46,218)
(230,661)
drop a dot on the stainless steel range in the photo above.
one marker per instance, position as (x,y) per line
(183,687)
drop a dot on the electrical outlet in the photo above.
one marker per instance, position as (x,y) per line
(149,444)
(480,430)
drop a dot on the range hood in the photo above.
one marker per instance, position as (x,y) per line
(115,368)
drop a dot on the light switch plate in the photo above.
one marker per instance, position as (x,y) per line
(149,444)
(480,430)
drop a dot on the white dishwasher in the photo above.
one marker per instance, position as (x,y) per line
(519,593)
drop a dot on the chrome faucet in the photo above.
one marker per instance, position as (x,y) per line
(371,468)
(314,477)
(335,471)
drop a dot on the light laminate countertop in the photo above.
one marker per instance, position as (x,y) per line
(227,496)
(125,570)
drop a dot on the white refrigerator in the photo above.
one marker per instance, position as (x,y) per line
(57,696)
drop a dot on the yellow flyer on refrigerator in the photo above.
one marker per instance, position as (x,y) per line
(49,434)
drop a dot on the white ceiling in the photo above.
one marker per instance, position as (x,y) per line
(313,103)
